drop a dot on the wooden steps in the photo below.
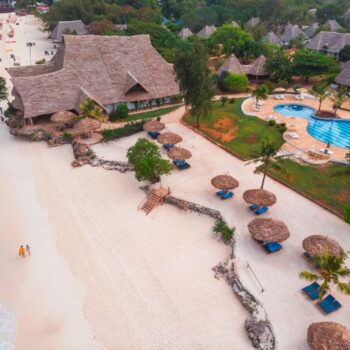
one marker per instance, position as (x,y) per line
(154,198)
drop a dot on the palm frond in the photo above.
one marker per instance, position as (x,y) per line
(344,287)
(309,276)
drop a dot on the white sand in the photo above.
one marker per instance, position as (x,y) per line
(105,275)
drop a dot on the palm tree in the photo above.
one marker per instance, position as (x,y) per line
(321,93)
(268,156)
(89,109)
(260,93)
(331,268)
(338,98)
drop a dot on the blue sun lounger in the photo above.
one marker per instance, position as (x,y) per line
(331,307)
(181,164)
(227,195)
(220,193)
(329,299)
(261,210)
(311,288)
(272,247)
(168,146)
(314,295)
(153,134)
(253,207)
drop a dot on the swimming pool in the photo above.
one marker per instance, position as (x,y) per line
(334,131)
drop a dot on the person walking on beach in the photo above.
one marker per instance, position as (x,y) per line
(28,249)
(22,251)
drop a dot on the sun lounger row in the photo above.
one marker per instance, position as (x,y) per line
(181,164)
(257,210)
(271,247)
(225,194)
(279,97)
(329,304)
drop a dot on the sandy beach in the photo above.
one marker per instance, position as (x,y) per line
(103,275)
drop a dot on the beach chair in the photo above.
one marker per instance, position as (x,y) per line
(272,247)
(153,134)
(220,193)
(308,257)
(311,288)
(253,207)
(181,164)
(168,146)
(329,299)
(261,210)
(331,307)
(227,195)
(314,295)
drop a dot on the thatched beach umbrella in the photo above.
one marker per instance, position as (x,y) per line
(63,117)
(268,230)
(86,126)
(169,137)
(318,245)
(153,125)
(279,89)
(179,153)
(260,197)
(302,90)
(224,182)
(328,336)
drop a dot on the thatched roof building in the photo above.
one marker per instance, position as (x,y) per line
(185,33)
(108,69)
(328,336)
(311,30)
(77,27)
(333,25)
(292,31)
(206,31)
(256,68)
(343,78)
(329,42)
(272,38)
(253,22)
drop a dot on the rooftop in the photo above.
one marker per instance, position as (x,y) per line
(76,26)
(331,42)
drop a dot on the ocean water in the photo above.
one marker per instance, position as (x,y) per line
(7,329)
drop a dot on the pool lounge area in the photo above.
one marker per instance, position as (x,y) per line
(336,132)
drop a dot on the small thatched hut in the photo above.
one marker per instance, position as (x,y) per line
(86,126)
(63,117)
(328,336)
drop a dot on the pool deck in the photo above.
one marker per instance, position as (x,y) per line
(305,143)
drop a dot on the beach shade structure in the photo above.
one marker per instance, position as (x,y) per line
(224,182)
(169,138)
(319,245)
(328,336)
(268,230)
(63,117)
(302,90)
(260,197)
(86,126)
(279,89)
(153,125)
(179,153)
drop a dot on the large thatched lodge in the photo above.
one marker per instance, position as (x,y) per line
(108,69)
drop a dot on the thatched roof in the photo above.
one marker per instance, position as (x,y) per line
(268,230)
(76,26)
(343,78)
(179,153)
(105,67)
(272,38)
(253,22)
(86,125)
(311,30)
(63,117)
(206,31)
(169,137)
(235,24)
(333,25)
(292,31)
(328,336)
(260,197)
(185,33)
(279,89)
(224,182)
(153,125)
(330,42)
(318,245)
(256,68)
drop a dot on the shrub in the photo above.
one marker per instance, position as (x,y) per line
(235,82)
(127,130)
(271,122)
(222,228)
(67,136)
(281,127)
(232,100)
(10,111)
(42,61)
(347,213)
(121,112)
(223,100)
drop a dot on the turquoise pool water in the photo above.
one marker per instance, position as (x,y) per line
(334,131)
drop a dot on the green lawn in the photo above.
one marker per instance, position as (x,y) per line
(247,132)
(151,114)
(316,182)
